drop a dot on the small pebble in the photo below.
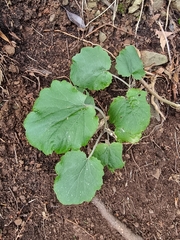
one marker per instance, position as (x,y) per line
(65,2)
(18,221)
(1,186)
(102,37)
(92,4)
(52,17)
(178,212)
(9,49)
(13,68)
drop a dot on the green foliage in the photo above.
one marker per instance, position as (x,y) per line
(63,120)
(89,69)
(130,115)
(60,119)
(78,178)
(110,155)
(121,8)
(128,63)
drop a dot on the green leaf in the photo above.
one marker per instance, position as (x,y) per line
(130,115)
(78,178)
(110,155)
(60,119)
(128,63)
(89,69)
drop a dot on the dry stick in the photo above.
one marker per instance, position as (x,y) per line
(176,144)
(93,44)
(172,104)
(107,4)
(156,107)
(167,43)
(137,25)
(77,225)
(100,14)
(114,222)
(111,25)
(115,10)
(167,14)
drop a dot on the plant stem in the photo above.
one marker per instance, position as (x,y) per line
(103,115)
(114,222)
(95,145)
(172,104)
(105,127)
(121,80)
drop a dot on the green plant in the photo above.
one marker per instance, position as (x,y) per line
(64,119)
(121,8)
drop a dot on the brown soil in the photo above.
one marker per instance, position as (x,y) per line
(144,195)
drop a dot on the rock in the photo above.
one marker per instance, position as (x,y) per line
(153,58)
(135,6)
(92,4)
(1,186)
(13,68)
(157,4)
(10,50)
(97,13)
(65,2)
(18,221)
(102,37)
(52,17)
(176,5)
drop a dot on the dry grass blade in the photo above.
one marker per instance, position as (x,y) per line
(3,36)
(140,16)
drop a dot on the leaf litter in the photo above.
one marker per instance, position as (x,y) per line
(77,20)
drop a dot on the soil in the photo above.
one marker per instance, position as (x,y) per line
(145,194)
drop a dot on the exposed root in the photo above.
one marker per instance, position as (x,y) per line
(172,104)
(114,222)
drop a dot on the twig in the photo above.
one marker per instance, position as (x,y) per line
(81,39)
(167,14)
(152,98)
(79,227)
(137,25)
(114,222)
(115,10)
(167,43)
(37,32)
(23,227)
(133,158)
(14,199)
(176,143)
(172,104)
(111,25)
(15,153)
(100,14)
(107,4)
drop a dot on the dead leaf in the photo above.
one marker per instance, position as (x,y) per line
(157,173)
(75,19)
(135,6)
(162,37)
(4,37)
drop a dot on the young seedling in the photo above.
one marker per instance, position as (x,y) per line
(64,118)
